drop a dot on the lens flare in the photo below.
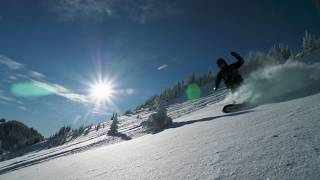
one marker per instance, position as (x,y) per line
(32,89)
(193,91)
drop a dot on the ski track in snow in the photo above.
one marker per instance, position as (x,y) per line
(271,141)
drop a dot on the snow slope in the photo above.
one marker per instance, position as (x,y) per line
(272,141)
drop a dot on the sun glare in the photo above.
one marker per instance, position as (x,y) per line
(101,91)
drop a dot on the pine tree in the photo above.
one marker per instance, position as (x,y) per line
(307,41)
(98,127)
(280,52)
(310,42)
(192,78)
(114,125)
(60,137)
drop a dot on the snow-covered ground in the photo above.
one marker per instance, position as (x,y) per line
(272,141)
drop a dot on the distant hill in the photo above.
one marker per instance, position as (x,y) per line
(15,135)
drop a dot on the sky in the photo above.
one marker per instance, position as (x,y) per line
(53,52)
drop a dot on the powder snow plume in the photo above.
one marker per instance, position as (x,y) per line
(281,82)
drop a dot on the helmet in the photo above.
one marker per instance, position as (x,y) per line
(221,61)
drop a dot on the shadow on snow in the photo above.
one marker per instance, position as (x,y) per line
(183,123)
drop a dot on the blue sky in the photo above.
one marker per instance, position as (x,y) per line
(143,46)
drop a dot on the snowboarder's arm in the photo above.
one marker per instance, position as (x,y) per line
(239,62)
(218,80)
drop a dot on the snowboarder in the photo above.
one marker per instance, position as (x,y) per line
(230,73)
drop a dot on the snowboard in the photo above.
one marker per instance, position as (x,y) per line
(236,107)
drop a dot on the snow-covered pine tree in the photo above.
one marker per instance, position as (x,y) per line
(77,132)
(280,52)
(159,120)
(114,125)
(98,127)
(306,41)
(60,137)
(310,42)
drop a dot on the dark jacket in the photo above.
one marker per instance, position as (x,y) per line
(230,75)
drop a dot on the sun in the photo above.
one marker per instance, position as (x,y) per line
(101,91)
